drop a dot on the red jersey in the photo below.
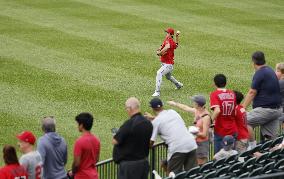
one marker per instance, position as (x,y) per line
(225,122)
(169,56)
(88,148)
(13,171)
(241,122)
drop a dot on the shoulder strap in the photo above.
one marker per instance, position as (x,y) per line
(211,121)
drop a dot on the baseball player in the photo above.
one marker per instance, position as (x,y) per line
(166,53)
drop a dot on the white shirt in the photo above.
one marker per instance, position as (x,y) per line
(33,164)
(224,154)
(171,128)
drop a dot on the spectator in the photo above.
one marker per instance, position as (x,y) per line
(241,122)
(280,75)
(86,149)
(171,128)
(31,159)
(12,169)
(53,150)
(265,94)
(202,121)
(132,142)
(227,150)
(223,103)
(276,147)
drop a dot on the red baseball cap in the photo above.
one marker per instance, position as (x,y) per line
(27,136)
(170,31)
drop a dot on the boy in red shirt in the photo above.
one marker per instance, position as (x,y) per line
(241,122)
(166,51)
(12,169)
(223,103)
(86,150)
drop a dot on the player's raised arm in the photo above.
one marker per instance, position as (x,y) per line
(181,106)
(177,38)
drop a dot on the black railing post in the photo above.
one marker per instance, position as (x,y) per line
(153,161)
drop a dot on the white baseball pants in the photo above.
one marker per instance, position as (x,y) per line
(166,69)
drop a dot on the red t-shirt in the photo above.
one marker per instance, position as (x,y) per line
(88,148)
(241,122)
(12,171)
(225,122)
(168,57)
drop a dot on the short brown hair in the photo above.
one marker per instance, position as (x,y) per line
(280,67)
(10,155)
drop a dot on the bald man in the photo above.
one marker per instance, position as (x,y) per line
(132,143)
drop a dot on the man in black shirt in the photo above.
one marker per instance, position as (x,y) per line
(132,143)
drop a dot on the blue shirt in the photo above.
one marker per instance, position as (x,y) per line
(266,84)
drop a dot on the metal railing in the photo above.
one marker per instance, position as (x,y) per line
(107,169)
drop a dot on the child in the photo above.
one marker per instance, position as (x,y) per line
(241,122)
(227,150)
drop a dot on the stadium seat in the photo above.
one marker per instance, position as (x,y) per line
(231,159)
(192,172)
(266,146)
(218,163)
(277,141)
(256,148)
(281,154)
(205,168)
(222,171)
(244,175)
(255,172)
(248,154)
(248,165)
(236,168)
(180,175)
(268,168)
(262,158)
(274,154)
(210,175)
(279,164)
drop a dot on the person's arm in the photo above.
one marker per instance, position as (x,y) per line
(41,150)
(65,155)
(121,134)
(149,116)
(151,143)
(98,156)
(163,50)
(154,134)
(249,97)
(181,106)
(216,112)
(206,125)
(177,39)
(76,164)
(76,157)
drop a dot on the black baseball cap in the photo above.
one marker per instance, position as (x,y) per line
(156,103)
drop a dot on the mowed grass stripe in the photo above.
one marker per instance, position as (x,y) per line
(90,28)
(186,71)
(207,46)
(59,41)
(34,96)
(187,21)
(204,24)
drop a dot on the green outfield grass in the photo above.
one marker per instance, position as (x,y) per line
(63,57)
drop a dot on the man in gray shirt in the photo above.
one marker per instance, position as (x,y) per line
(53,150)
(171,128)
(30,160)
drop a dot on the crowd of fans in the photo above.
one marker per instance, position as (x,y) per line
(229,125)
